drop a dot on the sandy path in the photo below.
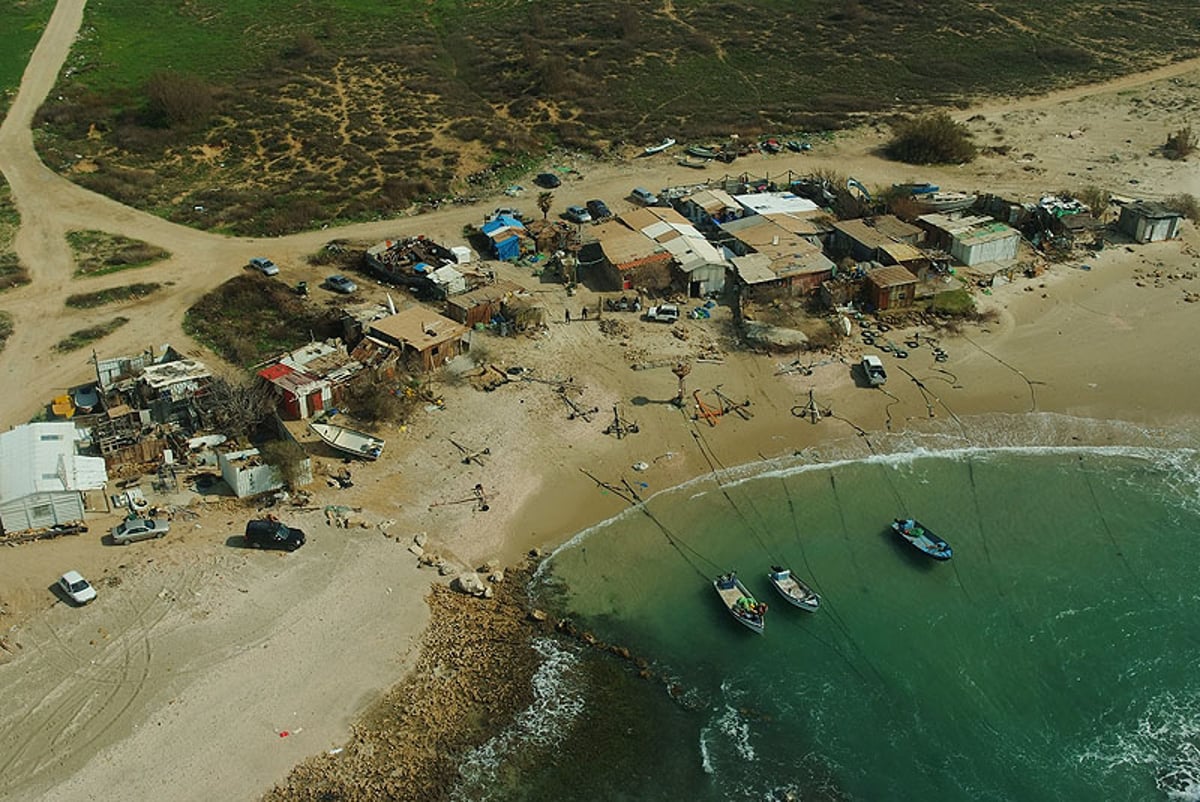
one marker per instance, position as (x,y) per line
(178,682)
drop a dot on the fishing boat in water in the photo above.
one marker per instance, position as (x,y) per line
(794,590)
(920,538)
(741,604)
(349,441)
(650,150)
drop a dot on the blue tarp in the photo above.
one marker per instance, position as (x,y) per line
(510,247)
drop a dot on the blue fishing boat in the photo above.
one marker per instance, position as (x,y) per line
(921,538)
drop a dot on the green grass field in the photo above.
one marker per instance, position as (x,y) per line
(318,113)
(19,34)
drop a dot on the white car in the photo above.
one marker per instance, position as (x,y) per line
(132,529)
(664,313)
(76,587)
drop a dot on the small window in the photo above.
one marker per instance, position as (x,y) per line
(47,437)
(42,511)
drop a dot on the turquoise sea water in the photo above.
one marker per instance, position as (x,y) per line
(1054,658)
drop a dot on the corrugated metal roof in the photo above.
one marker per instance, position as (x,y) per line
(622,245)
(769,202)
(891,276)
(754,268)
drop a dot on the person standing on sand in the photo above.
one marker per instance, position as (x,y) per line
(567,312)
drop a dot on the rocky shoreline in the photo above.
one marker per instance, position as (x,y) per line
(473,676)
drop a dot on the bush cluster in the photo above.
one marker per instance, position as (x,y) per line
(932,139)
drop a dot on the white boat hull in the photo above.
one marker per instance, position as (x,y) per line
(796,593)
(349,441)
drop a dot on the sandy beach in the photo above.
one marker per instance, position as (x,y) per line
(204,671)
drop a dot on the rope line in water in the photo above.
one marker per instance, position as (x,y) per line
(700,444)
(632,499)
(1111,537)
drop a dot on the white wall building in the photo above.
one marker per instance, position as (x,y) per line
(42,479)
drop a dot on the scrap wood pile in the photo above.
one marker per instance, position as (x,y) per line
(487,378)
(58,530)
(614,328)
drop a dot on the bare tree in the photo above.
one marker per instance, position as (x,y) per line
(237,408)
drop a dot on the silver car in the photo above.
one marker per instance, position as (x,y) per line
(132,529)
(264,266)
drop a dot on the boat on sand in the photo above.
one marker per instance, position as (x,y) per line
(945,201)
(660,147)
(795,591)
(349,441)
(920,538)
(741,605)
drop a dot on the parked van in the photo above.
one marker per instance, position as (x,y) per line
(644,196)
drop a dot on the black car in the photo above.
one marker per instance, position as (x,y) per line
(598,209)
(267,533)
(547,180)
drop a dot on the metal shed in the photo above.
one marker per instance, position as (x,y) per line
(1149,222)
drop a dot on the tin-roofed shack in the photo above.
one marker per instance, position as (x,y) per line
(700,265)
(971,239)
(310,379)
(864,241)
(891,287)
(424,335)
(624,258)
(794,262)
(482,304)
(1149,222)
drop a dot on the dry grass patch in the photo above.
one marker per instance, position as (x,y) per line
(98,253)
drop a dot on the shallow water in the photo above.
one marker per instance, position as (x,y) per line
(1051,659)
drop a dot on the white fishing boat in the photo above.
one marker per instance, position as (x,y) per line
(945,201)
(792,589)
(741,605)
(349,441)
(660,147)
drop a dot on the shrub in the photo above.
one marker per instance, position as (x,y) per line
(6,328)
(1186,204)
(174,99)
(1180,144)
(287,457)
(1094,197)
(954,303)
(931,139)
(374,401)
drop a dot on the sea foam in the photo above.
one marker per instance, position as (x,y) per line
(556,703)
(1165,742)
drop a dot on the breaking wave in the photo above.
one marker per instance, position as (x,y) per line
(557,701)
(1164,743)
